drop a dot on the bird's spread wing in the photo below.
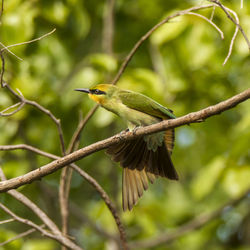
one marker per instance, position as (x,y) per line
(144,104)
(143,159)
(140,165)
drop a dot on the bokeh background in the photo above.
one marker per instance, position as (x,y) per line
(180,66)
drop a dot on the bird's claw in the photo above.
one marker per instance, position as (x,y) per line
(122,133)
(135,129)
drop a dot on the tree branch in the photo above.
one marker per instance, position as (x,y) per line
(66,175)
(28,42)
(59,238)
(82,173)
(148,34)
(6,221)
(161,126)
(130,56)
(225,9)
(23,100)
(108,202)
(32,206)
(21,235)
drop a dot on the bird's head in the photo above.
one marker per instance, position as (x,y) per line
(100,93)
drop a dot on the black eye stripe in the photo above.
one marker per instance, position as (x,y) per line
(97,92)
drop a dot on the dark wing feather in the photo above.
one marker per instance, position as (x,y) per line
(140,165)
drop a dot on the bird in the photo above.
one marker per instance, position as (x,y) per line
(145,158)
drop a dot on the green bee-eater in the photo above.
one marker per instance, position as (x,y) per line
(143,158)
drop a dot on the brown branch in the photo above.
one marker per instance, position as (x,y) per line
(23,43)
(19,106)
(6,221)
(146,36)
(28,147)
(209,21)
(225,9)
(2,69)
(6,48)
(129,57)
(28,42)
(42,109)
(58,238)
(80,127)
(161,126)
(188,227)
(32,206)
(82,124)
(108,202)
(66,175)
(21,235)
(82,173)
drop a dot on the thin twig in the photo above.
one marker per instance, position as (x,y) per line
(42,109)
(188,227)
(6,221)
(226,10)
(18,104)
(21,235)
(146,36)
(127,60)
(108,202)
(81,125)
(28,147)
(66,175)
(28,42)
(234,35)
(2,69)
(86,176)
(209,21)
(62,240)
(6,48)
(32,206)
(129,135)
(212,14)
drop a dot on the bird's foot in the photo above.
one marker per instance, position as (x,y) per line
(122,133)
(135,129)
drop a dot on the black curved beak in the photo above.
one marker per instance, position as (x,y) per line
(83,90)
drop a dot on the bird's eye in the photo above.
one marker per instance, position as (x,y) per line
(97,92)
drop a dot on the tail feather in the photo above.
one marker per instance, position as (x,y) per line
(141,165)
(169,140)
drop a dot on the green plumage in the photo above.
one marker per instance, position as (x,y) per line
(143,158)
(144,104)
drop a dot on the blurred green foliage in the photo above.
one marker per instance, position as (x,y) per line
(180,66)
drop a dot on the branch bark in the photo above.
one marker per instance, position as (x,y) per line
(83,152)
(82,173)
(43,217)
(59,238)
